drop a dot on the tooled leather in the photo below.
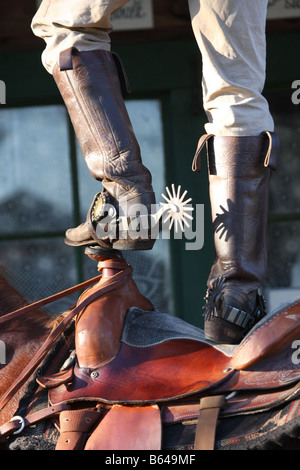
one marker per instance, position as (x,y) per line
(277,332)
(138,376)
(142,375)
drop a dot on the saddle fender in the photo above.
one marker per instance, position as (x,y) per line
(99,326)
(143,366)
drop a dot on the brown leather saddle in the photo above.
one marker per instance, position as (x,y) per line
(162,370)
(134,369)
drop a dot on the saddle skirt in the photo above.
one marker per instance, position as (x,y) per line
(134,369)
(163,359)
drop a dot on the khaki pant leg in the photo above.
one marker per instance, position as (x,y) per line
(84,24)
(231,38)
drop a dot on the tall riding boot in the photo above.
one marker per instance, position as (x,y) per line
(91,84)
(239,170)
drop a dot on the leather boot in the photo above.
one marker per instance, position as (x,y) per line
(92,84)
(239,170)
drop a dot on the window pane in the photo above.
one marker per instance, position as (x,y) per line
(39,268)
(35,191)
(282,284)
(284,187)
(151,268)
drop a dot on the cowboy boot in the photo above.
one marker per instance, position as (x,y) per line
(92,84)
(239,170)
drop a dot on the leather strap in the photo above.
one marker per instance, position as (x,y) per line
(75,426)
(113,264)
(17,422)
(273,150)
(210,408)
(66,59)
(66,63)
(54,380)
(196,166)
(113,282)
(41,303)
(124,82)
(270,159)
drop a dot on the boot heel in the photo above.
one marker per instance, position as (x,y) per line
(132,245)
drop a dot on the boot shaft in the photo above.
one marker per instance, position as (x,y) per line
(239,191)
(239,171)
(91,89)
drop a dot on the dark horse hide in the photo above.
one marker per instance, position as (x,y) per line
(275,428)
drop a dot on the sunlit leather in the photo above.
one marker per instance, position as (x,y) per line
(99,327)
(90,87)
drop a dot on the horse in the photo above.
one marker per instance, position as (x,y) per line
(259,427)
(21,338)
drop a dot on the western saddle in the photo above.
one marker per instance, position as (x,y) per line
(134,369)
